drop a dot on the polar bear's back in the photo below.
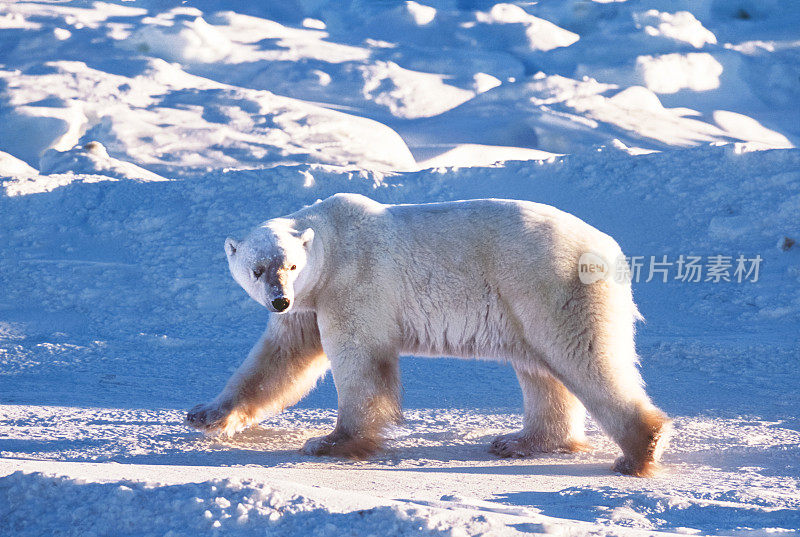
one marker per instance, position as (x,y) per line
(463,276)
(511,233)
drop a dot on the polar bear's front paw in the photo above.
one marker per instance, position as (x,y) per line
(340,445)
(212,417)
(522,444)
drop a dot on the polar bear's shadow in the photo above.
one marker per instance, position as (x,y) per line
(270,446)
(267,446)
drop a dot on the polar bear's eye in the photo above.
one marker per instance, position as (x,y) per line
(293,267)
(257,273)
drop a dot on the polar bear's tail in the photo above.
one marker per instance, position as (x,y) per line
(637,315)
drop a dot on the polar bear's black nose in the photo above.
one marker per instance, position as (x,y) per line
(280,304)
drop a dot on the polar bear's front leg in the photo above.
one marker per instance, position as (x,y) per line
(367,382)
(281,368)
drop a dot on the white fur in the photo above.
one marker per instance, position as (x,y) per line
(495,279)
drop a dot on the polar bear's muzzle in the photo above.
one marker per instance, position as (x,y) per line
(280,304)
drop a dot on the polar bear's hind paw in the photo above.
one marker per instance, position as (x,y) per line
(641,459)
(519,444)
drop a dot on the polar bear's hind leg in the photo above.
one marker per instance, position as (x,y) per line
(596,360)
(554,419)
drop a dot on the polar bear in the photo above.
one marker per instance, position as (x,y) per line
(353,283)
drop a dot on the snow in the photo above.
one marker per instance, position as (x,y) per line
(679,26)
(221,505)
(537,34)
(178,39)
(11,166)
(409,94)
(136,136)
(670,73)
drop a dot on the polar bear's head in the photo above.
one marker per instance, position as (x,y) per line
(270,263)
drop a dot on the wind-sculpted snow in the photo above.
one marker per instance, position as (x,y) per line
(717,482)
(208,508)
(182,89)
(136,136)
(165,236)
(117,296)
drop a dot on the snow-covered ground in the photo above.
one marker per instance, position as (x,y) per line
(136,136)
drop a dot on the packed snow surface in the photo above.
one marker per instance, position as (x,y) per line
(135,136)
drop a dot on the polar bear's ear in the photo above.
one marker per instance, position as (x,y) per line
(230,246)
(306,237)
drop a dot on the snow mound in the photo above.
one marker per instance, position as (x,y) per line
(746,128)
(34,127)
(177,123)
(177,36)
(482,155)
(33,504)
(511,26)
(681,26)
(670,73)
(410,94)
(11,166)
(399,64)
(92,158)
(555,113)
(421,14)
